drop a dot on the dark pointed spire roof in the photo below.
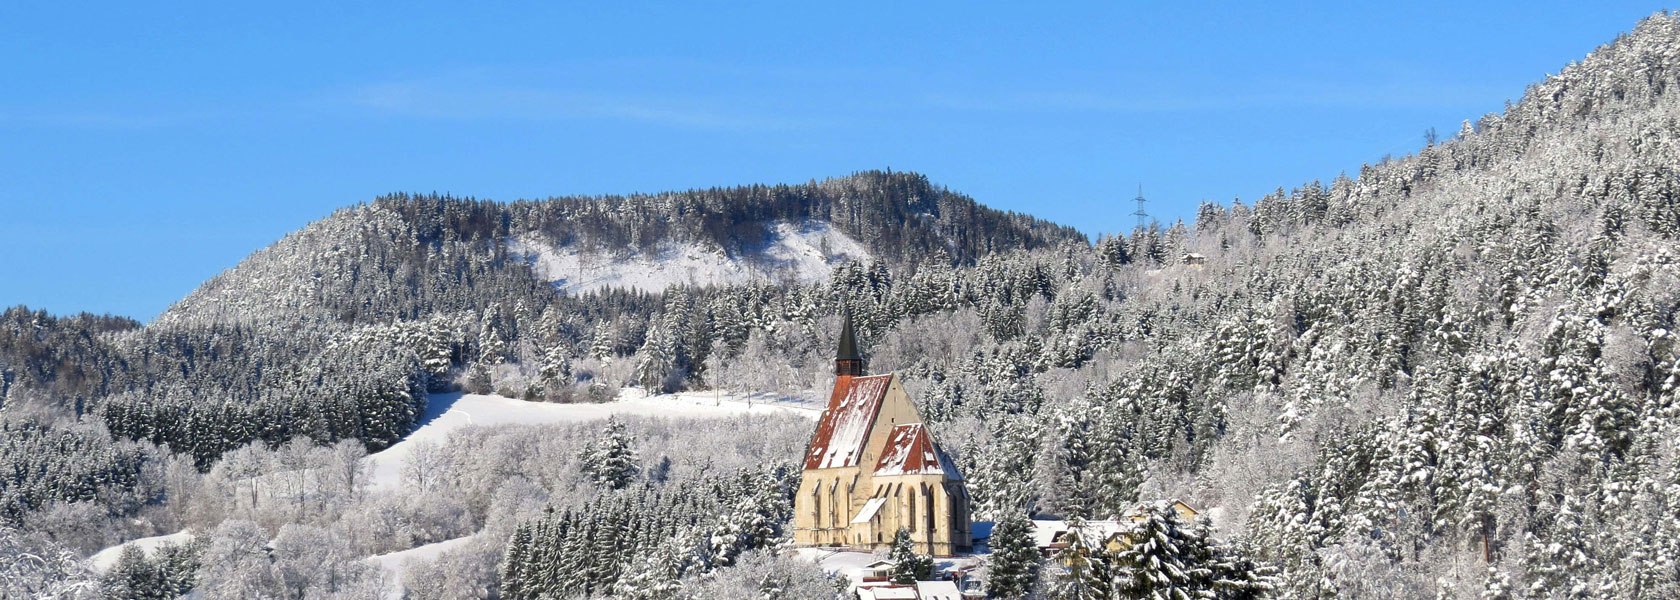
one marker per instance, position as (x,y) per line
(848,339)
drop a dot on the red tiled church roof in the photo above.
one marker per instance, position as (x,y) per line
(844,426)
(911,451)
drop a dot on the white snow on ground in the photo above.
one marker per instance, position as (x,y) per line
(842,562)
(393,563)
(803,252)
(850,563)
(103,560)
(446,413)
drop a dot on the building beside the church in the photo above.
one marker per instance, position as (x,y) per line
(873,467)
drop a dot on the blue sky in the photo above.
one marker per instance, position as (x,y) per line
(144,149)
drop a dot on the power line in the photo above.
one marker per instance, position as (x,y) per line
(1142,216)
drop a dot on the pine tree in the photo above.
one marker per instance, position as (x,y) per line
(515,562)
(436,347)
(556,370)
(1013,569)
(133,577)
(601,345)
(658,360)
(1081,571)
(908,566)
(1164,557)
(610,460)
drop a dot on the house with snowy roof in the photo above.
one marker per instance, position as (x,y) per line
(921,590)
(1051,536)
(873,467)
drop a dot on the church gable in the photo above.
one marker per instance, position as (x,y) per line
(910,450)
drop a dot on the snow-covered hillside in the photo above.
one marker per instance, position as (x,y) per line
(103,560)
(802,252)
(447,413)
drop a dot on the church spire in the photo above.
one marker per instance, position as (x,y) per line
(847,361)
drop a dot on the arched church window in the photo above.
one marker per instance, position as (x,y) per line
(816,504)
(834,504)
(912,515)
(932,518)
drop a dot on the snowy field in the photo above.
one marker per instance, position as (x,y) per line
(803,252)
(446,413)
(103,560)
(394,563)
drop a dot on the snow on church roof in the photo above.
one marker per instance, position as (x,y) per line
(844,426)
(911,451)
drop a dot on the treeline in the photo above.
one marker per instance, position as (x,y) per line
(639,542)
(901,218)
(44,356)
(373,394)
(42,465)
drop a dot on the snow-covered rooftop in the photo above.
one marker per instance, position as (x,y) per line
(1045,532)
(844,426)
(938,590)
(911,451)
(869,509)
(887,592)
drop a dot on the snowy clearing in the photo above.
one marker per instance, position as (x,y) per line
(803,252)
(102,560)
(850,564)
(395,565)
(446,413)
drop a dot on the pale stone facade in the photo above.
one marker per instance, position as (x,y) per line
(872,467)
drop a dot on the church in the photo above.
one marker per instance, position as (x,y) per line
(873,467)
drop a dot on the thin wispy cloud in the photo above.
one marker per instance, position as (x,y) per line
(477,96)
(1273,95)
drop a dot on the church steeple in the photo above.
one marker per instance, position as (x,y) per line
(847,361)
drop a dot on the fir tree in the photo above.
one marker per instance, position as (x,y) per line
(610,460)
(1013,569)
(1081,570)
(1164,557)
(908,566)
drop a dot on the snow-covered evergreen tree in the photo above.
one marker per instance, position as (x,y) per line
(1163,556)
(1080,569)
(908,566)
(1012,570)
(610,460)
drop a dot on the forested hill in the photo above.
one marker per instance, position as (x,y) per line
(1454,374)
(406,256)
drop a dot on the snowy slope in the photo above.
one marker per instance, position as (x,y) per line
(446,413)
(802,252)
(104,559)
(394,566)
